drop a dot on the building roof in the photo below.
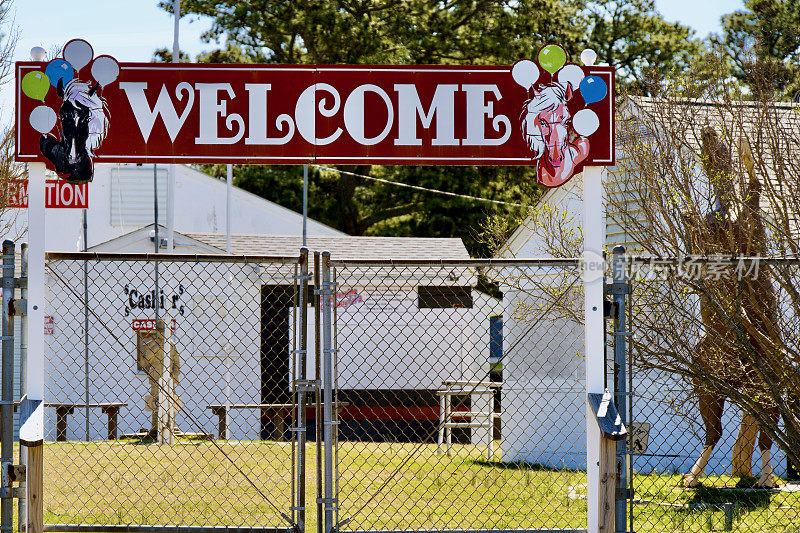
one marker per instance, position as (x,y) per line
(340,247)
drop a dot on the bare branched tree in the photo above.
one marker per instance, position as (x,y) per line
(710,182)
(10,171)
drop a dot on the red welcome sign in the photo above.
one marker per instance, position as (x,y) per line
(334,114)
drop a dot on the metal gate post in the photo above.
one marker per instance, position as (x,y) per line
(302,387)
(327,386)
(318,399)
(619,289)
(7,411)
(22,508)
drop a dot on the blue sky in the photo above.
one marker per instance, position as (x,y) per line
(130,30)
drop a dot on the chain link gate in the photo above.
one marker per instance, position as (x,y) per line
(442,423)
(173,397)
(684,398)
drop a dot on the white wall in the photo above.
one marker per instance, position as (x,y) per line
(543,418)
(199,208)
(201,336)
(386,342)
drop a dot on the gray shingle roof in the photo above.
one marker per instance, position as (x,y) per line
(341,247)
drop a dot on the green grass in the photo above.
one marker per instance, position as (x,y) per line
(381,486)
(664,505)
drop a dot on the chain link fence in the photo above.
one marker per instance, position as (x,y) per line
(180,394)
(460,395)
(173,385)
(169,394)
(710,336)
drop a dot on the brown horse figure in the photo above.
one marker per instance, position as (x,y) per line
(721,350)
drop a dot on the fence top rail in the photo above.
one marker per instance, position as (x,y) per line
(727,260)
(540,261)
(176,258)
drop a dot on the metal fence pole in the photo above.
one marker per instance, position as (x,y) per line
(327,384)
(317,374)
(86,321)
(22,514)
(301,387)
(7,419)
(619,289)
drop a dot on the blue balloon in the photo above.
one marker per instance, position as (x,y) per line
(58,69)
(593,89)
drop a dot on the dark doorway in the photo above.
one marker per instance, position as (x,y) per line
(276,302)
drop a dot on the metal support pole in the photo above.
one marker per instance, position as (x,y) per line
(32,426)
(327,385)
(228,192)
(619,290)
(7,418)
(317,373)
(301,393)
(166,387)
(86,320)
(155,228)
(23,353)
(598,516)
(305,202)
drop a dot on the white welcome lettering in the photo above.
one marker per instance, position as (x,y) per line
(478,110)
(146,117)
(443,105)
(257,119)
(354,114)
(305,113)
(212,107)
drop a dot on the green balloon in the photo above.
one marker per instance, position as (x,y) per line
(36,84)
(552,57)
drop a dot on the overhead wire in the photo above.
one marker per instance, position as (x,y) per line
(420,188)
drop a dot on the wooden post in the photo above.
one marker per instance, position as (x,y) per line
(608,485)
(611,429)
(35,482)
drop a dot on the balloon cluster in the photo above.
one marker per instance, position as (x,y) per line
(553,59)
(59,72)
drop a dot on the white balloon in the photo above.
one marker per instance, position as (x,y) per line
(78,53)
(105,69)
(42,119)
(585,122)
(588,57)
(525,73)
(572,74)
(38,53)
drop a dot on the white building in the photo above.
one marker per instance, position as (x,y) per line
(235,332)
(121,201)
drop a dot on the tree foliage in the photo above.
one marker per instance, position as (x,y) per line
(763,43)
(633,37)
(425,32)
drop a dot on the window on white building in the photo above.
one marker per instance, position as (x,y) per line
(132,195)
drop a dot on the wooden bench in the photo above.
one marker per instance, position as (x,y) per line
(276,412)
(64,409)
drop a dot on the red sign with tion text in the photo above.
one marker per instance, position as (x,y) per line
(58,194)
